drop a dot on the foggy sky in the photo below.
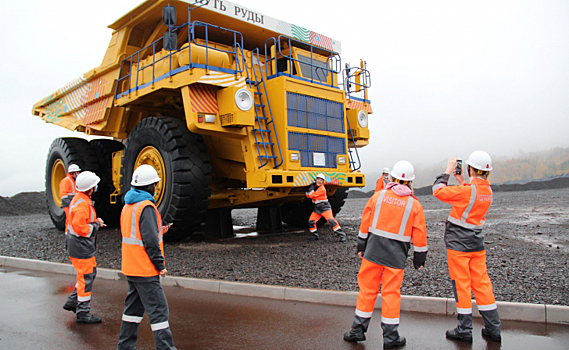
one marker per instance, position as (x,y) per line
(448,77)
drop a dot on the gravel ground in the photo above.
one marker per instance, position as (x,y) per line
(527,239)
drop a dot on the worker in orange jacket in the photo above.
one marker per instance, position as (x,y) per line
(143,262)
(392,219)
(383,180)
(322,208)
(464,241)
(67,189)
(81,246)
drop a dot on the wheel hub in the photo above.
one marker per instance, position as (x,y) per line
(58,173)
(152,156)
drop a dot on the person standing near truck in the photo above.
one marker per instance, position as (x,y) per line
(67,190)
(322,208)
(383,180)
(81,246)
(464,241)
(143,262)
(391,220)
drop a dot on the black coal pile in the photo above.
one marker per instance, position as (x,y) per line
(25,203)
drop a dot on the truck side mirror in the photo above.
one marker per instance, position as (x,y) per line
(169,15)
(170,41)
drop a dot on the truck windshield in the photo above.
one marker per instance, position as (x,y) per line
(318,70)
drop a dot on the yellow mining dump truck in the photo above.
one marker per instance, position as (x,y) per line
(234,109)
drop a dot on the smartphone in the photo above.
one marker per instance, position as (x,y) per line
(458,169)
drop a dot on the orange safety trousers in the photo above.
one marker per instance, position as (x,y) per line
(328,215)
(370,277)
(84,285)
(468,273)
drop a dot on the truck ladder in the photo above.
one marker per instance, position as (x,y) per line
(263,121)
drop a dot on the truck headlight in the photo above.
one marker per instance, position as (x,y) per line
(342,160)
(362,119)
(244,99)
(294,157)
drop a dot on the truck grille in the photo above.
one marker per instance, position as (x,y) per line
(308,144)
(314,113)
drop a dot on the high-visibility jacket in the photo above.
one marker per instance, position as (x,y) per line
(380,184)
(67,190)
(470,205)
(135,259)
(82,227)
(319,198)
(390,222)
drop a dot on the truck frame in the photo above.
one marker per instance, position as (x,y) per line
(234,109)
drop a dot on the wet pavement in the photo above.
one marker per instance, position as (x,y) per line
(31,317)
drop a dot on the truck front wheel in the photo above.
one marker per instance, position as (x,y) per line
(183,165)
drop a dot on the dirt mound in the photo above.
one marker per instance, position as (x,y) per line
(545,184)
(24,203)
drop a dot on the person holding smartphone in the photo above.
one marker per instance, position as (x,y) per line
(464,241)
(143,262)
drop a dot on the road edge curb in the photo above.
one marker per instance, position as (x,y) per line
(539,313)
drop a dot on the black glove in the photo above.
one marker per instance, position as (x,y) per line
(419,259)
(361,245)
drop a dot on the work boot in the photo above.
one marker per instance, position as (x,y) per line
(341,234)
(493,337)
(313,236)
(354,335)
(69,307)
(395,344)
(456,335)
(85,317)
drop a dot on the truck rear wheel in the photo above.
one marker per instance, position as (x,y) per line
(62,153)
(181,160)
(110,213)
(296,214)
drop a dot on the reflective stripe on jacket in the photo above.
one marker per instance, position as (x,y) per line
(470,205)
(82,227)
(135,259)
(67,190)
(389,223)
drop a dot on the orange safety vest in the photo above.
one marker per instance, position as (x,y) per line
(399,218)
(67,189)
(470,202)
(380,184)
(318,196)
(135,261)
(81,214)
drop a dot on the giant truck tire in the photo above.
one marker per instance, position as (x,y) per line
(296,214)
(180,157)
(62,153)
(110,213)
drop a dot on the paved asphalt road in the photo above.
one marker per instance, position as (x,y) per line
(31,317)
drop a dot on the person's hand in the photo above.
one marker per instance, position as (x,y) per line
(451,165)
(163,272)
(166,228)
(101,222)
(361,255)
(460,178)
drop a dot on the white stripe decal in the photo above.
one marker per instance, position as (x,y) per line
(406,215)
(132,319)
(81,299)
(159,326)
(420,249)
(464,311)
(487,307)
(463,224)
(363,313)
(438,186)
(389,235)
(378,208)
(470,205)
(389,320)
(362,235)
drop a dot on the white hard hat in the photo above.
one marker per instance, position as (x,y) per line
(73,168)
(144,175)
(403,170)
(321,176)
(86,181)
(480,160)
(386,170)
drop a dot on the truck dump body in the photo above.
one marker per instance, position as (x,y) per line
(268,99)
